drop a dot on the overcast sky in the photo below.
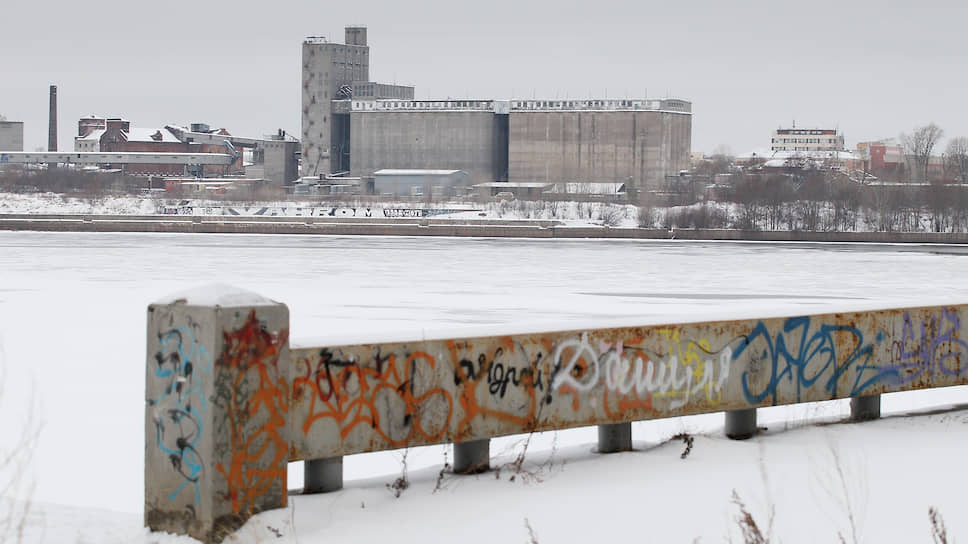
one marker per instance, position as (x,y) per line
(871,69)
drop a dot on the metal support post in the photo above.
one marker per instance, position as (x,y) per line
(741,424)
(865,408)
(614,437)
(323,475)
(472,457)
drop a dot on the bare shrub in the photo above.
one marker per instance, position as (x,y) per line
(554,209)
(688,440)
(527,474)
(646,216)
(612,215)
(702,217)
(539,207)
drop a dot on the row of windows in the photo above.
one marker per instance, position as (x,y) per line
(430,105)
(804,140)
(805,132)
(354,50)
(588,104)
(801,148)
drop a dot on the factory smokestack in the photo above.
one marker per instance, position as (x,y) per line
(52,130)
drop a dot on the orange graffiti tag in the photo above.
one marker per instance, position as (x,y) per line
(348,393)
(255,389)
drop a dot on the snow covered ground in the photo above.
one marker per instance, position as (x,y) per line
(72,318)
(790,216)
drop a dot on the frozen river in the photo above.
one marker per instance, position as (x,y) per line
(72,309)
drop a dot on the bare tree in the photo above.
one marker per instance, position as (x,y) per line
(920,143)
(776,191)
(957,154)
(748,194)
(811,197)
(845,196)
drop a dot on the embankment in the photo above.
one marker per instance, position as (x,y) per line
(434,227)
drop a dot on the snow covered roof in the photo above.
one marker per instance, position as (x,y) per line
(93,135)
(414,172)
(762,153)
(759,152)
(514,185)
(591,188)
(151,135)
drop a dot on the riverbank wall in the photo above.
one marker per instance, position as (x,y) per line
(483,228)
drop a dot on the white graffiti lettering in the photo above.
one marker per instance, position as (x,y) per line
(667,378)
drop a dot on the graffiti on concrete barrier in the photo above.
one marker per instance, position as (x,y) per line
(504,381)
(927,347)
(180,364)
(805,354)
(630,371)
(253,394)
(393,395)
(331,212)
(402,212)
(390,394)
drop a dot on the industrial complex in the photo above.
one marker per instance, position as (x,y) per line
(352,126)
(363,136)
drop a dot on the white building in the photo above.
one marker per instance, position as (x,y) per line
(806,139)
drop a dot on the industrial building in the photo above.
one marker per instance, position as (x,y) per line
(116,135)
(351,125)
(11,136)
(275,154)
(334,72)
(806,139)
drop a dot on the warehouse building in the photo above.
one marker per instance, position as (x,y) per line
(357,127)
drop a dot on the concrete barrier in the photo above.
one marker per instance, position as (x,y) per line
(229,402)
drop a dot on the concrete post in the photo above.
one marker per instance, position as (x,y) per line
(865,408)
(216,406)
(741,424)
(614,438)
(472,457)
(323,475)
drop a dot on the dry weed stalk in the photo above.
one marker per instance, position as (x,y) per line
(401,484)
(847,488)
(531,534)
(16,488)
(939,533)
(752,534)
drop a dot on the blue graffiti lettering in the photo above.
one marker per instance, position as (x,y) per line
(178,411)
(814,358)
